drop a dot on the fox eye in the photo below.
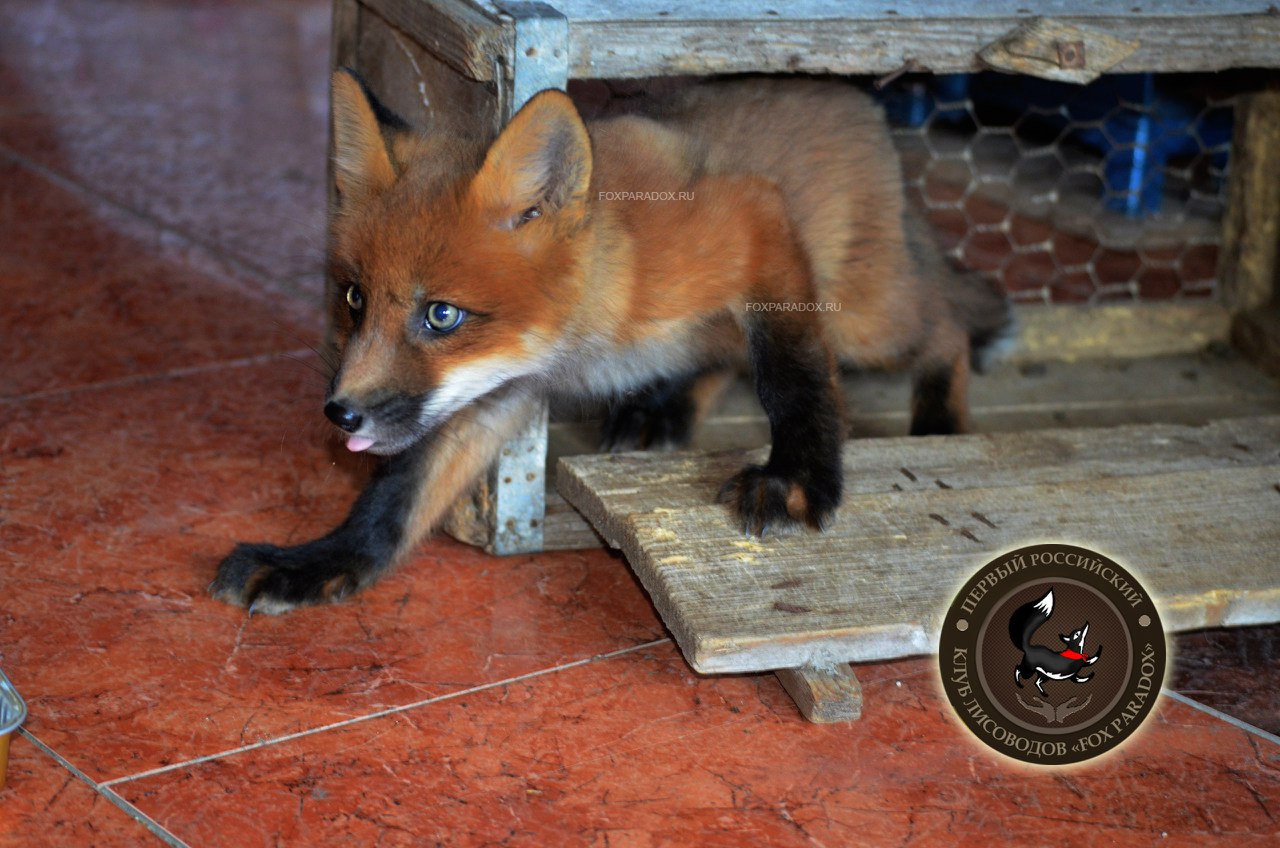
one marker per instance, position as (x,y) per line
(529,214)
(443,317)
(355,298)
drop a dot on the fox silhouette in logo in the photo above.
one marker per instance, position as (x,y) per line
(1038,661)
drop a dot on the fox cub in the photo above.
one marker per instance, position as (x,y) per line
(633,257)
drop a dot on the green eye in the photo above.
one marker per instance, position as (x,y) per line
(443,317)
(355,298)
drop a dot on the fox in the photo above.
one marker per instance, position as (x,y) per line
(1039,662)
(639,258)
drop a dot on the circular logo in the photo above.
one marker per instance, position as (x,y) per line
(1052,654)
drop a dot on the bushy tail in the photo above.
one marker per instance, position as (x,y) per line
(981,307)
(977,302)
(1026,620)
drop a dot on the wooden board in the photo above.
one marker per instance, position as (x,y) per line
(1194,512)
(1183,389)
(640,38)
(1249,264)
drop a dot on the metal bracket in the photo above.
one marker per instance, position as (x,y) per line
(518,484)
(518,481)
(540,59)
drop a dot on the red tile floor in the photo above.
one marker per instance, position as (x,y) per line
(161,190)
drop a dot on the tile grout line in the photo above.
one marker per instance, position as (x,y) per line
(483,687)
(1219,714)
(175,373)
(106,792)
(291,284)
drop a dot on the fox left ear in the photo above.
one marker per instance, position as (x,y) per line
(362,163)
(541,160)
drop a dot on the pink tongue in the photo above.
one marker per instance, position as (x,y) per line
(358,443)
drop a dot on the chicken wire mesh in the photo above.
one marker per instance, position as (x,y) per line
(1111,191)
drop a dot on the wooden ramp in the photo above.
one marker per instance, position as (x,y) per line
(1194,512)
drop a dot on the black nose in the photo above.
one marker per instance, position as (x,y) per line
(346,417)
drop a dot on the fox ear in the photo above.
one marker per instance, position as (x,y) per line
(361,162)
(542,159)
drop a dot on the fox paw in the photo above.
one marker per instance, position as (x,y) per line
(269,579)
(765,500)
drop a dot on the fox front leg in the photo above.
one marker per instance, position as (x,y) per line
(795,373)
(272,579)
(406,500)
(796,380)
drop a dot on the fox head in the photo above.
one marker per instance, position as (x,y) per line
(454,263)
(1076,640)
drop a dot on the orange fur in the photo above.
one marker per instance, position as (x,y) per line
(782,192)
(597,259)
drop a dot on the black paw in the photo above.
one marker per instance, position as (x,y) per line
(659,416)
(272,580)
(766,500)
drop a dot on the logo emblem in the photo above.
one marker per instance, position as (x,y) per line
(1022,659)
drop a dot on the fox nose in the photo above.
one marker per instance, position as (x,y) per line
(345,417)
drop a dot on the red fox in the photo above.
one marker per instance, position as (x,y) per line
(640,254)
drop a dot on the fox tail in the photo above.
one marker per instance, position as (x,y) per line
(1027,619)
(976,301)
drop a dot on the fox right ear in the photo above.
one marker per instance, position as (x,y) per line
(361,162)
(541,159)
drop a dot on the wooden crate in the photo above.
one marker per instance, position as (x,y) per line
(479,60)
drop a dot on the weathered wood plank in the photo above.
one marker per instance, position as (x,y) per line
(468,37)
(834,10)
(824,695)
(1070,332)
(1249,264)
(1195,512)
(634,483)
(618,49)
(1189,390)
(1256,332)
(419,86)
(651,38)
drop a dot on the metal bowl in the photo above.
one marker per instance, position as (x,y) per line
(13,712)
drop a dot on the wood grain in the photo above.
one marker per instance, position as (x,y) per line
(824,695)
(1185,389)
(1249,264)
(1256,332)
(616,49)
(1034,48)
(468,37)
(1193,511)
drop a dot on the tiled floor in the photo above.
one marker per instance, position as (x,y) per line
(161,191)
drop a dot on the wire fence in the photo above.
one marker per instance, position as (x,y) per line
(1082,194)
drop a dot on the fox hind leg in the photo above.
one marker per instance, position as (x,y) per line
(940,394)
(663,414)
